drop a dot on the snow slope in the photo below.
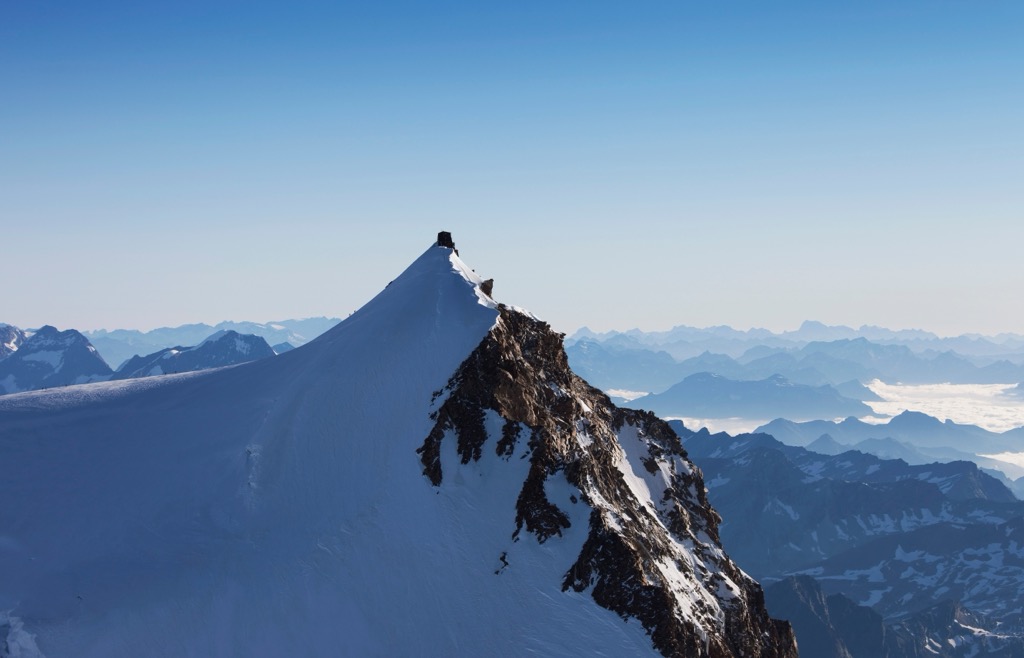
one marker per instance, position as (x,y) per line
(306,526)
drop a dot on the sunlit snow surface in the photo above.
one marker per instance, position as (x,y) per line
(278,507)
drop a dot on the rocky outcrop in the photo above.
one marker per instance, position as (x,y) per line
(652,551)
(830,625)
(833,625)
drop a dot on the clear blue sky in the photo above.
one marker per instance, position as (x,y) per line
(610,164)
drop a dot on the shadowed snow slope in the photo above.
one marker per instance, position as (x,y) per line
(280,507)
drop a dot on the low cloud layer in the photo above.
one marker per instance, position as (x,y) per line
(985,405)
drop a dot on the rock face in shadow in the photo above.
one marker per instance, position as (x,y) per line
(652,551)
(883,533)
(829,625)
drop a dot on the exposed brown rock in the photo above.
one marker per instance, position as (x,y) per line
(640,556)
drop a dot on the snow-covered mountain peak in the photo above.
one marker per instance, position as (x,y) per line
(216,336)
(232,340)
(426,478)
(223,348)
(436,296)
(441,268)
(49,337)
(50,357)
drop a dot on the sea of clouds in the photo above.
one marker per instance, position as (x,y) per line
(984,405)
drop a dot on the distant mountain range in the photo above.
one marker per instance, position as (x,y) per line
(926,434)
(46,358)
(841,362)
(223,348)
(833,625)
(815,355)
(900,539)
(705,395)
(683,342)
(787,508)
(635,369)
(49,357)
(118,345)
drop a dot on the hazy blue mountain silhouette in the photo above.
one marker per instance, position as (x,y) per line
(887,448)
(911,427)
(631,368)
(814,355)
(118,345)
(708,395)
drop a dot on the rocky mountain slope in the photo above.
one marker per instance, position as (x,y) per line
(833,625)
(897,538)
(651,550)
